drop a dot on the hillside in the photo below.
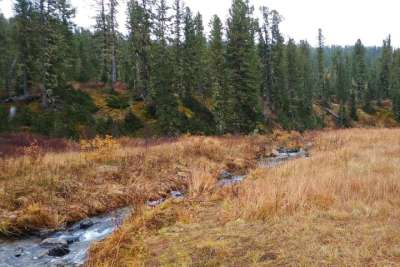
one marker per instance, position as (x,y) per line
(93,109)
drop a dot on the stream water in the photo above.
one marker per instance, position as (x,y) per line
(69,247)
(64,248)
(281,156)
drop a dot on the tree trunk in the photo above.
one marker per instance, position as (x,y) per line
(113,43)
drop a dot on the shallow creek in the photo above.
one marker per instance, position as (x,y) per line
(69,247)
(279,157)
(63,248)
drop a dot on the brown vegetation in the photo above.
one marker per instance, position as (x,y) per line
(45,189)
(12,145)
(338,208)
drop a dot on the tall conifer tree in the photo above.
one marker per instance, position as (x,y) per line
(241,63)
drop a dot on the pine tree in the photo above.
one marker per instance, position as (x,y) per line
(321,89)
(9,56)
(113,40)
(395,92)
(25,42)
(139,25)
(178,47)
(102,33)
(305,94)
(222,98)
(343,89)
(58,29)
(85,59)
(189,56)
(200,52)
(292,94)
(164,95)
(371,94)
(265,55)
(359,71)
(385,68)
(241,63)
(279,78)
(216,52)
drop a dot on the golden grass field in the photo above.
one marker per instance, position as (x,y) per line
(340,207)
(45,190)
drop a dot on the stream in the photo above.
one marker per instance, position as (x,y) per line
(279,157)
(69,247)
(64,248)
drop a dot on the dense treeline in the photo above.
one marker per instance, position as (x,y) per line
(241,78)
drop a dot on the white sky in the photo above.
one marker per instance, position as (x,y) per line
(342,21)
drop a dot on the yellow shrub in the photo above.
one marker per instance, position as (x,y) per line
(99,148)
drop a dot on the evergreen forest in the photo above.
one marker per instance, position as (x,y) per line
(173,73)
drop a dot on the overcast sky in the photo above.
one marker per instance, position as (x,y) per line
(342,21)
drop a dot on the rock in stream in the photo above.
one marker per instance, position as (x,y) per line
(64,248)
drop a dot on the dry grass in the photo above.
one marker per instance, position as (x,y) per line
(45,190)
(338,208)
(349,169)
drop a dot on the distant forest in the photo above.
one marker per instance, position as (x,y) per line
(242,77)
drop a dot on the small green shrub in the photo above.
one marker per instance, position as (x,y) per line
(105,126)
(117,102)
(131,124)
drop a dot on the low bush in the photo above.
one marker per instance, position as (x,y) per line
(117,102)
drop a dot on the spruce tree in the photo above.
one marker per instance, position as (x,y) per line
(102,36)
(177,47)
(343,89)
(25,43)
(222,98)
(265,55)
(139,25)
(58,27)
(113,40)
(279,69)
(216,52)
(384,71)
(163,93)
(395,92)
(305,93)
(371,93)
(359,71)
(200,52)
(189,56)
(241,63)
(321,89)
(292,94)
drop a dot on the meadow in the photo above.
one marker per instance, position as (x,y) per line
(339,207)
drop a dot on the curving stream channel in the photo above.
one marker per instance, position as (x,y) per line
(69,247)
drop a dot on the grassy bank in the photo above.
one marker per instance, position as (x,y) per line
(339,208)
(41,189)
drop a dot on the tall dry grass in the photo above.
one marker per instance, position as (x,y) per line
(45,190)
(354,171)
(338,208)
